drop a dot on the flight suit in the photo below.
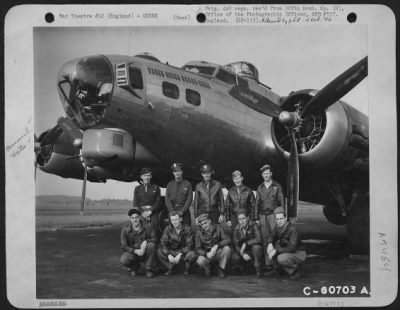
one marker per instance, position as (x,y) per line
(268,199)
(205,240)
(251,235)
(173,243)
(209,199)
(178,197)
(290,252)
(131,240)
(149,195)
(237,200)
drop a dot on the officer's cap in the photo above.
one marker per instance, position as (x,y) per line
(236,173)
(206,168)
(145,170)
(176,166)
(134,211)
(265,167)
(279,210)
(203,217)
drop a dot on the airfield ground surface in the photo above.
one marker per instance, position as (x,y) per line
(77,257)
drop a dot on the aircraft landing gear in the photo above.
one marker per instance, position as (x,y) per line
(358,225)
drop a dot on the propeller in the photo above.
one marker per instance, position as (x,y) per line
(337,88)
(43,145)
(293,121)
(293,178)
(76,137)
(46,140)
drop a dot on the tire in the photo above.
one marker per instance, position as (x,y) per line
(334,215)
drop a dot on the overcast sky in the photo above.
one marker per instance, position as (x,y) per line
(288,58)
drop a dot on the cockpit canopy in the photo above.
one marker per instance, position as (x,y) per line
(85,86)
(201,67)
(243,68)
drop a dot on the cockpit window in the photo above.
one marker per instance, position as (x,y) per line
(227,77)
(200,69)
(85,86)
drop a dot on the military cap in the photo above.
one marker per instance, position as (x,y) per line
(145,170)
(134,211)
(236,173)
(265,167)
(176,166)
(242,211)
(203,217)
(206,168)
(279,210)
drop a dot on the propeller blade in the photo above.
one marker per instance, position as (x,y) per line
(293,179)
(83,197)
(337,88)
(255,101)
(51,135)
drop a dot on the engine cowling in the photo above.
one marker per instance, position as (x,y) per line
(109,153)
(336,137)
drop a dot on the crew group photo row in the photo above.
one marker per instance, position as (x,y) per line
(257,236)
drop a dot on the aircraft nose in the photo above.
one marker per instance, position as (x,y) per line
(85,87)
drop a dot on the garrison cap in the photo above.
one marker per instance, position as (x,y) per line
(206,168)
(145,170)
(265,167)
(236,173)
(203,217)
(134,211)
(176,166)
(279,210)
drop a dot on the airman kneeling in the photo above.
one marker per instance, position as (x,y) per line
(176,244)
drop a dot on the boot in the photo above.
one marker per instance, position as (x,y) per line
(207,270)
(187,267)
(221,273)
(259,272)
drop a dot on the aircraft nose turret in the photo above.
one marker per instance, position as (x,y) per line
(85,86)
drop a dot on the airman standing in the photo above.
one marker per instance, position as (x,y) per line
(269,197)
(147,198)
(179,194)
(240,198)
(209,198)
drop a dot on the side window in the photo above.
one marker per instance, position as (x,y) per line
(193,97)
(226,77)
(170,90)
(135,76)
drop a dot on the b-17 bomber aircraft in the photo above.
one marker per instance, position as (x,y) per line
(125,112)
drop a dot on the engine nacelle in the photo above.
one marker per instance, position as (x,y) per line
(109,153)
(105,146)
(336,137)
